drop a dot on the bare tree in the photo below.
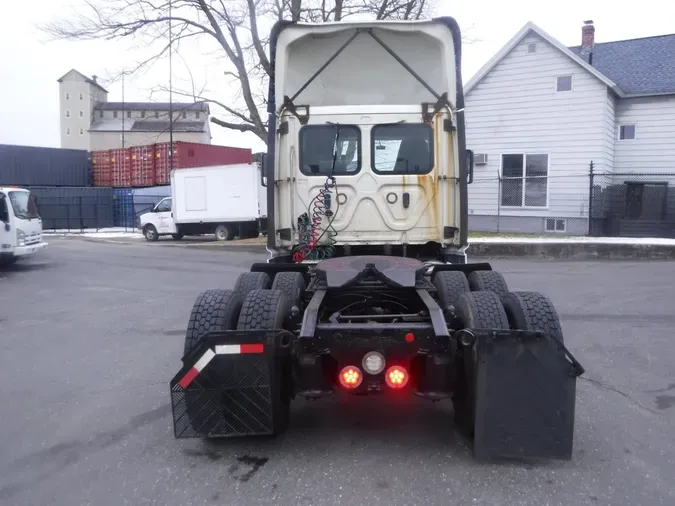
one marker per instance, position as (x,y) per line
(238,29)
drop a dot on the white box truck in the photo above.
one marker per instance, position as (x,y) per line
(226,200)
(20,225)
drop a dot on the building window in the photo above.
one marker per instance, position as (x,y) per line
(197,114)
(67,113)
(156,114)
(128,114)
(564,83)
(556,225)
(142,114)
(626,132)
(100,113)
(67,131)
(67,96)
(115,114)
(81,96)
(524,180)
(81,114)
(532,48)
(184,114)
(81,131)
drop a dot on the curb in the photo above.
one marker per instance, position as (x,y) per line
(573,251)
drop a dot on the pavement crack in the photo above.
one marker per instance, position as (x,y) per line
(611,388)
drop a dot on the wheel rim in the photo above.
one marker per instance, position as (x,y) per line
(149,233)
(221,233)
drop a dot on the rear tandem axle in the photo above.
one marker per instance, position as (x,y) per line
(376,324)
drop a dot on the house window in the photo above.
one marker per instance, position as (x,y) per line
(67,96)
(532,48)
(81,96)
(67,131)
(626,132)
(81,114)
(81,131)
(114,114)
(524,180)
(67,113)
(564,83)
(555,225)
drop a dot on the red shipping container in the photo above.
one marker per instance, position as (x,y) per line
(101,170)
(120,162)
(142,166)
(189,154)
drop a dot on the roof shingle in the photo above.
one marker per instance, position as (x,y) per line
(638,66)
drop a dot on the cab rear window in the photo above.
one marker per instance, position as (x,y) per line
(402,148)
(330,150)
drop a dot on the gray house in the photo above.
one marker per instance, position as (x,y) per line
(538,113)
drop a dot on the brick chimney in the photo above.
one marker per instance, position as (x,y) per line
(587,37)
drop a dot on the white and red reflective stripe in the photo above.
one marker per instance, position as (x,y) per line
(197,368)
(239,349)
(223,349)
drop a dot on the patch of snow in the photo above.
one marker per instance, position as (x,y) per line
(107,233)
(654,241)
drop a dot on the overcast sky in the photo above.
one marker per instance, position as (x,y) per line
(31,66)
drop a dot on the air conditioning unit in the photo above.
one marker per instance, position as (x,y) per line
(480,159)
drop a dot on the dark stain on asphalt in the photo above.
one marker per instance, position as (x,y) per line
(212,455)
(661,390)
(665,401)
(382,484)
(173,332)
(62,455)
(246,466)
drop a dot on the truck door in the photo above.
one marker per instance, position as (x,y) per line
(394,174)
(165,223)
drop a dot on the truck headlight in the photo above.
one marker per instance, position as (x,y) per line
(20,237)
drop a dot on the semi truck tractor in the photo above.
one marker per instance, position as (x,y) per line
(367,289)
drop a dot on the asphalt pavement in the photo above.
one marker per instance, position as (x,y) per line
(91,334)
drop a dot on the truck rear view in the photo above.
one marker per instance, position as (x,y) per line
(367,289)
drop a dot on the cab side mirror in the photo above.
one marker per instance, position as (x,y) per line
(263,169)
(469,166)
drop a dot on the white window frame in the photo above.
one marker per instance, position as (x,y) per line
(555,226)
(618,132)
(571,76)
(523,178)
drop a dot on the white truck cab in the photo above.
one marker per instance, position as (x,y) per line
(158,221)
(20,225)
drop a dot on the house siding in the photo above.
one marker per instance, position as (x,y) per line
(515,109)
(653,149)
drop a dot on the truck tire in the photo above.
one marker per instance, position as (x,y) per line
(481,281)
(292,284)
(264,310)
(223,233)
(150,233)
(450,285)
(268,310)
(249,281)
(212,311)
(177,237)
(481,310)
(533,311)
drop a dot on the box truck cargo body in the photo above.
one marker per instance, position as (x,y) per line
(226,200)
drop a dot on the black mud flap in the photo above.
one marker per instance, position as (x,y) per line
(519,397)
(232,385)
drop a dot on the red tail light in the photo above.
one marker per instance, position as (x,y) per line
(396,377)
(350,377)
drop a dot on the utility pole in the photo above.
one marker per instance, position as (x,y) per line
(170,90)
(123,110)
